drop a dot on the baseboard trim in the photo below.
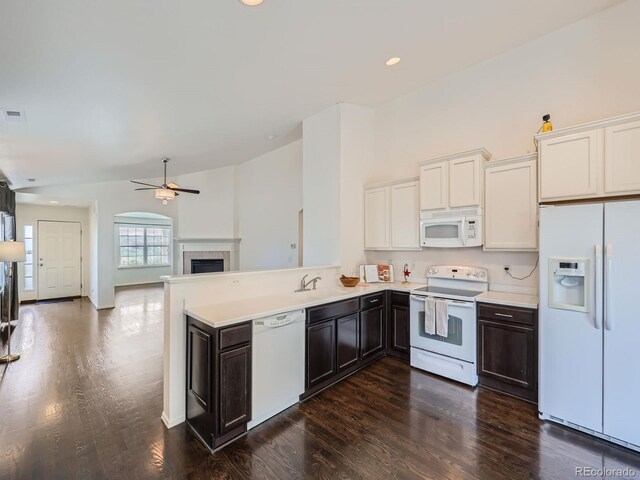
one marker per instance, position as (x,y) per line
(170,424)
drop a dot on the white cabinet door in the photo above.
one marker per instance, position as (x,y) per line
(621,325)
(622,158)
(511,207)
(376,218)
(405,216)
(464,182)
(569,166)
(434,194)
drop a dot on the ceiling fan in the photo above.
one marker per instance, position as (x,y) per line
(166,191)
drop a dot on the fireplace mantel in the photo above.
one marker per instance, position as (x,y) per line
(225,248)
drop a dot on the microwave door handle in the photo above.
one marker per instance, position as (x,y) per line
(463,233)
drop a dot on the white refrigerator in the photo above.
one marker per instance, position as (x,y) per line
(589,319)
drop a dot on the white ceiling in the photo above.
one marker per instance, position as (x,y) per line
(111,86)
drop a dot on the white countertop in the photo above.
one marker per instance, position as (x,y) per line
(229,313)
(508,298)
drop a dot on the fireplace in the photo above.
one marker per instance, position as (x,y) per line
(226,250)
(207,265)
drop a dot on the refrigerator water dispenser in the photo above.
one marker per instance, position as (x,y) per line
(569,284)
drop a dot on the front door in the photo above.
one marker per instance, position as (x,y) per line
(59,259)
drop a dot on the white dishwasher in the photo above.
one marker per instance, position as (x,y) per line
(277,364)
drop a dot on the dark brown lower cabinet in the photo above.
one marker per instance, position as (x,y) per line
(235,388)
(508,350)
(348,342)
(371,332)
(343,337)
(321,352)
(218,381)
(398,325)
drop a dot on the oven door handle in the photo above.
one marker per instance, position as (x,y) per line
(450,303)
(460,304)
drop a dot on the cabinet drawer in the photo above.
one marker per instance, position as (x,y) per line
(332,310)
(235,335)
(501,313)
(399,299)
(370,301)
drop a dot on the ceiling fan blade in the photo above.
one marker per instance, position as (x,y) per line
(185,190)
(142,183)
(145,188)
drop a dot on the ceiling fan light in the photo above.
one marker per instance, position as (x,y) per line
(164,194)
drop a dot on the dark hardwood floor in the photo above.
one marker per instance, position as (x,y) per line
(86,397)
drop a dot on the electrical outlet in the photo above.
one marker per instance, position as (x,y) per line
(235,283)
(293,246)
(413,266)
(290,259)
(507,268)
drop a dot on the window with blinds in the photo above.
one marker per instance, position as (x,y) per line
(144,246)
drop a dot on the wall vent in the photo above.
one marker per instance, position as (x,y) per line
(14,115)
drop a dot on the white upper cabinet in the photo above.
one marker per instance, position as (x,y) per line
(376,218)
(405,215)
(622,158)
(392,216)
(453,181)
(511,204)
(599,159)
(569,166)
(434,186)
(464,182)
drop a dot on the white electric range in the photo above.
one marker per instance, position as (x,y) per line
(453,356)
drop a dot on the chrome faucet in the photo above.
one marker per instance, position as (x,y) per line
(304,284)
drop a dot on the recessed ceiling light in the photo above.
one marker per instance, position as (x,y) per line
(53,201)
(251,3)
(31,179)
(392,61)
(271,137)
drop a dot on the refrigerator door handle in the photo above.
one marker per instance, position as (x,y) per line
(596,294)
(608,285)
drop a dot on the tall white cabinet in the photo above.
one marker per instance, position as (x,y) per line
(454,181)
(598,159)
(377,230)
(511,204)
(392,216)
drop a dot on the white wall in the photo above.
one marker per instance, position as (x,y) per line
(356,154)
(29,214)
(321,187)
(212,214)
(583,72)
(108,199)
(137,276)
(269,197)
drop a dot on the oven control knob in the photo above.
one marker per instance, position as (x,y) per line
(483,274)
(435,270)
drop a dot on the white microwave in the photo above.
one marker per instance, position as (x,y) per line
(451,228)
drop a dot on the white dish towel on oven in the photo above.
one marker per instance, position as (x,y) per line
(429,316)
(442,318)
